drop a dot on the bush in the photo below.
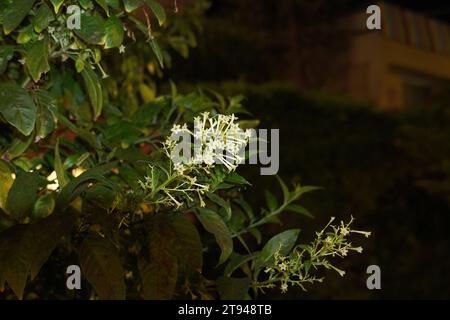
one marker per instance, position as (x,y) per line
(87,173)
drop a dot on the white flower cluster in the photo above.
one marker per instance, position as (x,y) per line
(216,140)
(295,268)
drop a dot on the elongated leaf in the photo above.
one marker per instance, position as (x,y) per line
(221,202)
(247,208)
(299,209)
(158,10)
(284,188)
(23,194)
(271,201)
(238,260)
(233,288)
(283,243)
(59,168)
(14,14)
(94,90)
(157,51)
(237,179)
(102,267)
(302,190)
(45,122)
(17,107)
(214,224)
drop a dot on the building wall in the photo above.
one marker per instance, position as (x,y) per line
(411,53)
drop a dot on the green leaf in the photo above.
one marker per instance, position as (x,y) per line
(114,32)
(75,187)
(284,188)
(103,4)
(18,146)
(42,19)
(44,206)
(26,35)
(101,266)
(157,50)
(37,60)
(84,134)
(94,90)
(256,234)
(272,202)
(45,122)
(59,168)
(23,194)
(57,4)
(299,191)
(236,179)
(17,107)
(233,288)
(79,65)
(282,243)
(14,14)
(131,5)
(214,224)
(86,4)
(247,208)
(221,202)
(238,260)
(93,29)
(113,3)
(299,209)
(158,10)
(6,54)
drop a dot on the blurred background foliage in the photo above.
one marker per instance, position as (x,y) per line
(390,170)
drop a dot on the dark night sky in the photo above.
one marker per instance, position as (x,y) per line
(438,8)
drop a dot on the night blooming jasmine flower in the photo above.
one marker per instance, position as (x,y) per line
(283,266)
(298,267)
(214,140)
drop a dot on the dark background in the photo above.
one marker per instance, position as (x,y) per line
(390,170)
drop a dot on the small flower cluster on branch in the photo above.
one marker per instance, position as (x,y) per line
(217,140)
(299,267)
